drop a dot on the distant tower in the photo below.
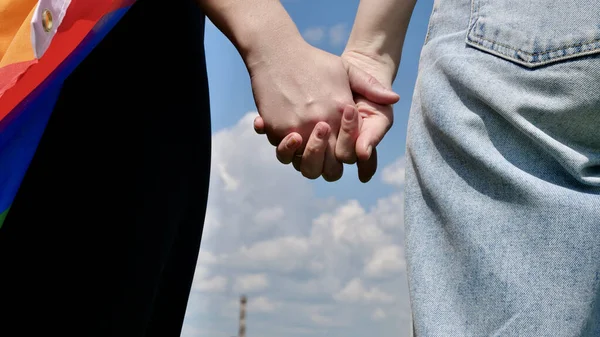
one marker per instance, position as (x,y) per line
(243,301)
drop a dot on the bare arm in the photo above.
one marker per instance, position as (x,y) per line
(379,31)
(255,27)
(299,90)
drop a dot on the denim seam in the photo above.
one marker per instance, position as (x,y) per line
(476,40)
(549,59)
(430,24)
(582,44)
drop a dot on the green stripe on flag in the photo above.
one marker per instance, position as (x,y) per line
(3,216)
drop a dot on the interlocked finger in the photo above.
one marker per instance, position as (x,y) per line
(314,153)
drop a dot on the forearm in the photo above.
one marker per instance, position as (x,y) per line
(259,29)
(379,31)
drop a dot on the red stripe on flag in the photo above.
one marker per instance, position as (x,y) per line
(80,19)
(118,4)
(10,74)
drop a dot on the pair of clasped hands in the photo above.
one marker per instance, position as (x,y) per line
(321,110)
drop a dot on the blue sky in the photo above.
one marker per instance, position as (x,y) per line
(315,258)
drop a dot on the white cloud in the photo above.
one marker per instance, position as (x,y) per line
(251,283)
(385,260)
(206,258)
(394,174)
(230,183)
(378,314)
(203,282)
(356,292)
(389,212)
(324,315)
(314,35)
(269,215)
(262,304)
(283,253)
(191,331)
(310,266)
(321,319)
(338,35)
(350,224)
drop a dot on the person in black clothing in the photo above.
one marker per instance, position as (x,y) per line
(103,236)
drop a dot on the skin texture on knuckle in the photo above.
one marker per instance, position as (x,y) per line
(346,155)
(372,81)
(340,103)
(349,128)
(313,150)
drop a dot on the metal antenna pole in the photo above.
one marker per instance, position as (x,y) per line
(243,302)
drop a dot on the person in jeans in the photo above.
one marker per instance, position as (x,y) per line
(503,171)
(502,194)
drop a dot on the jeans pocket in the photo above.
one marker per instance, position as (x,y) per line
(536,32)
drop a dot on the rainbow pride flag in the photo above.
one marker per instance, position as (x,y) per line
(41,43)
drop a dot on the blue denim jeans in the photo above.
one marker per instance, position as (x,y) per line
(503,171)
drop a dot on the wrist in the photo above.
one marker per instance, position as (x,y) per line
(258,29)
(378,32)
(267,46)
(380,66)
(266,35)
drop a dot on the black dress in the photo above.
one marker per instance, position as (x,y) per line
(103,236)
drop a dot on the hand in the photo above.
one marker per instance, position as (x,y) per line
(294,94)
(374,120)
(362,128)
(296,89)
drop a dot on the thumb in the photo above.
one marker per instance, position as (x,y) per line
(371,134)
(259,125)
(368,86)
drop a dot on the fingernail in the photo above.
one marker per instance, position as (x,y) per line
(291,143)
(321,131)
(349,113)
(369,150)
